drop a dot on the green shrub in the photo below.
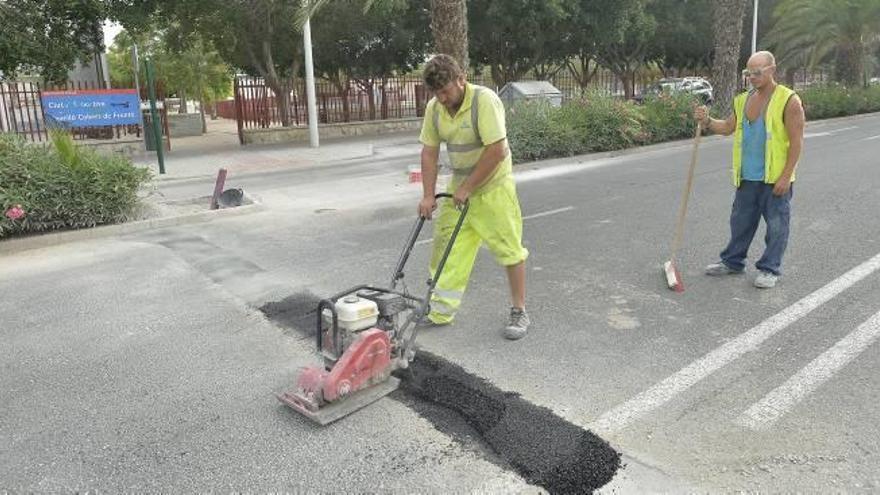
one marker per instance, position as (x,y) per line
(64,186)
(823,102)
(602,123)
(872,99)
(535,133)
(669,117)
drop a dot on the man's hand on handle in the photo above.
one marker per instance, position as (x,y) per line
(427,206)
(461,195)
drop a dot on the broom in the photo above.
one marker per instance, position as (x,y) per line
(673,277)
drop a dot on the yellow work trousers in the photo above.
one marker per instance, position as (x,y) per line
(494,217)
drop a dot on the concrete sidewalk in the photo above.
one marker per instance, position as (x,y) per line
(202,156)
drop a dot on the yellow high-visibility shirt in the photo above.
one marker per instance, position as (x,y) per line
(464,143)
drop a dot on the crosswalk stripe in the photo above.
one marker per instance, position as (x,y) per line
(621,416)
(778,402)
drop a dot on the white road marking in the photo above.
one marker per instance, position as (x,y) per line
(778,402)
(621,416)
(816,134)
(872,138)
(529,217)
(846,128)
(548,213)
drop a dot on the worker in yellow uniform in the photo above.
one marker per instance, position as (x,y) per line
(470,120)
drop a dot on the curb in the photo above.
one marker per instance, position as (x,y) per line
(17,245)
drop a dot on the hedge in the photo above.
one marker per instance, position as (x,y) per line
(63,186)
(597,122)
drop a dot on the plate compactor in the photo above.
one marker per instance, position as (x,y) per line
(364,334)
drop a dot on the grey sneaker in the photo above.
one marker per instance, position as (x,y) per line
(765,280)
(717,269)
(517,325)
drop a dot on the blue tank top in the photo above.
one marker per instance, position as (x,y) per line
(754,148)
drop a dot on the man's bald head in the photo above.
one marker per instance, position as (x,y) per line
(761,69)
(762,59)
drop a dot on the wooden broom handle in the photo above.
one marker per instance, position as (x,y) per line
(682,210)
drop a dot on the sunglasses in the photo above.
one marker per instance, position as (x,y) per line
(756,72)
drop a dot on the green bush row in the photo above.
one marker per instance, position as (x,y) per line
(595,123)
(825,102)
(63,186)
(538,131)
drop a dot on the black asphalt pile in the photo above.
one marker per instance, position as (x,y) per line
(543,448)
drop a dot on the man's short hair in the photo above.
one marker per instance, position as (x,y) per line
(440,71)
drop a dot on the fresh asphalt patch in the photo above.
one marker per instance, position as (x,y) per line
(297,312)
(511,432)
(543,448)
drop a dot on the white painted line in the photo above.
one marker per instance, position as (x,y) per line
(872,138)
(536,215)
(548,213)
(816,134)
(845,128)
(778,402)
(624,414)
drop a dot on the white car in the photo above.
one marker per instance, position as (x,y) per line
(694,85)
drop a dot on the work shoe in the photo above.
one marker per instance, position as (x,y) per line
(517,325)
(717,269)
(766,280)
(427,322)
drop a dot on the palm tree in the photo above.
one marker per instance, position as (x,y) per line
(450,28)
(844,30)
(728,23)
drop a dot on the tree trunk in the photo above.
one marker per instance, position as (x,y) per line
(728,23)
(202,110)
(450,29)
(282,100)
(182,108)
(627,79)
(849,64)
(789,76)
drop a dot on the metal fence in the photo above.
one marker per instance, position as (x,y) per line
(256,106)
(21,113)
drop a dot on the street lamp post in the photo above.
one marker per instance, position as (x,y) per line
(310,85)
(755,29)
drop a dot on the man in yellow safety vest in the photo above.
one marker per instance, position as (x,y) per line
(768,128)
(470,120)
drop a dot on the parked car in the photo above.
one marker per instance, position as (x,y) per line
(694,85)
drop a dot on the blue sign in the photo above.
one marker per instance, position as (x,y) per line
(92,107)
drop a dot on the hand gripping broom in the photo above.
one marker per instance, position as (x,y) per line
(673,276)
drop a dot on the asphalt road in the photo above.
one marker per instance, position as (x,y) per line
(141,363)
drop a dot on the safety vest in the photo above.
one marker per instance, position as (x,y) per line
(776,151)
(461,152)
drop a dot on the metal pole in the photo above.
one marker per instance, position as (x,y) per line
(755,29)
(154,116)
(135,65)
(310,85)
